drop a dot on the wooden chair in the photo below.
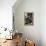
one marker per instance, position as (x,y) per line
(18,37)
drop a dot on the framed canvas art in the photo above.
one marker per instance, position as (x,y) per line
(28,18)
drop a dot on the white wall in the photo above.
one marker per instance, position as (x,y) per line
(6,13)
(31,32)
(43,22)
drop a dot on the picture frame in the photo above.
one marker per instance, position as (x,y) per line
(28,18)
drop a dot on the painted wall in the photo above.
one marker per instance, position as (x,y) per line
(43,22)
(29,32)
(6,13)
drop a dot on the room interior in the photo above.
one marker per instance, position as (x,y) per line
(16,29)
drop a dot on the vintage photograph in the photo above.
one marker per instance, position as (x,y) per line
(28,18)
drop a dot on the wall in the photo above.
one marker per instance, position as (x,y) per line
(6,13)
(29,32)
(43,22)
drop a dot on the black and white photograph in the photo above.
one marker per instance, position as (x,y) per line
(28,18)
